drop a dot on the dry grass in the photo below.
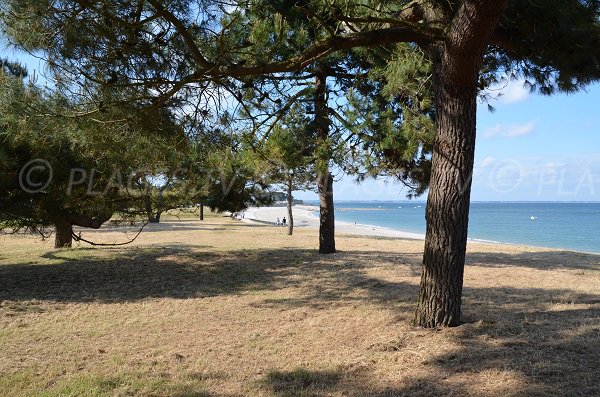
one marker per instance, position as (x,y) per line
(223,308)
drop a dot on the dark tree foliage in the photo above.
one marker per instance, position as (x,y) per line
(63,171)
(226,171)
(10,68)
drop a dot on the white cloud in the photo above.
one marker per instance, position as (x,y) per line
(493,131)
(486,162)
(539,178)
(513,91)
(510,131)
(520,130)
(555,165)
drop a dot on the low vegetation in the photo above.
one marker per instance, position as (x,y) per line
(226,308)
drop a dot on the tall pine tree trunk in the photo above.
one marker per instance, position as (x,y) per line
(448,210)
(154,216)
(456,65)
(290,199)
(324,177)
(326,214)
(63,234)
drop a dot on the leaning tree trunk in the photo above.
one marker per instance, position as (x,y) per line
(456,65)
(63,234)
(324,177)
(289,206)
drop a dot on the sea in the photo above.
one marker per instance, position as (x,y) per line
(569,226)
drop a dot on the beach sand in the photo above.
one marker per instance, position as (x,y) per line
(307,216)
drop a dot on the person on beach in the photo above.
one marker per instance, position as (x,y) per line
(283,221)
(278,222)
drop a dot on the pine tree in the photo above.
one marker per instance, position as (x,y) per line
(62,171)
(553,44)
(289,151)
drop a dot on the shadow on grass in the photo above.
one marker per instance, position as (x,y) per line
(126,274)
(180,225)
(511,351)
(515,341)
(545,341)
(117,274)
(302,382)
(544,260)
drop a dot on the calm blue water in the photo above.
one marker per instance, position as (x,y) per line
(573,226)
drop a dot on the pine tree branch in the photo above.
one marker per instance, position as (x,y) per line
(183,31)
(328,46)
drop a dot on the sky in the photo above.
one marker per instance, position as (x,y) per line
(532,148)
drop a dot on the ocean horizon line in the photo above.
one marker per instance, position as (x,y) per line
(472,201)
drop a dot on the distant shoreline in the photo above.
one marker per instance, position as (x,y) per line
(304,217)
(314,202)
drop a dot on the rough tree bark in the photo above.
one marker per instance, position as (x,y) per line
(457,63)
(324,177)
(152,217)
(63,234)
(65,221)
(326,215)
(290,199)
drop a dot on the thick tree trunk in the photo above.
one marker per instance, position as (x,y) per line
(290,199)
(152,218)
(63,234)
(159,207)
(456,65)
(326,214)
(324,177)
(448,211)
(201,211)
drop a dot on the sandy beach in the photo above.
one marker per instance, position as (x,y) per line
(307,216)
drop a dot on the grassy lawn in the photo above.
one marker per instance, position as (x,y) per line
(225,308)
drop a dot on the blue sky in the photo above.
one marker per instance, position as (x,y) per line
(539,148)
(532,148)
